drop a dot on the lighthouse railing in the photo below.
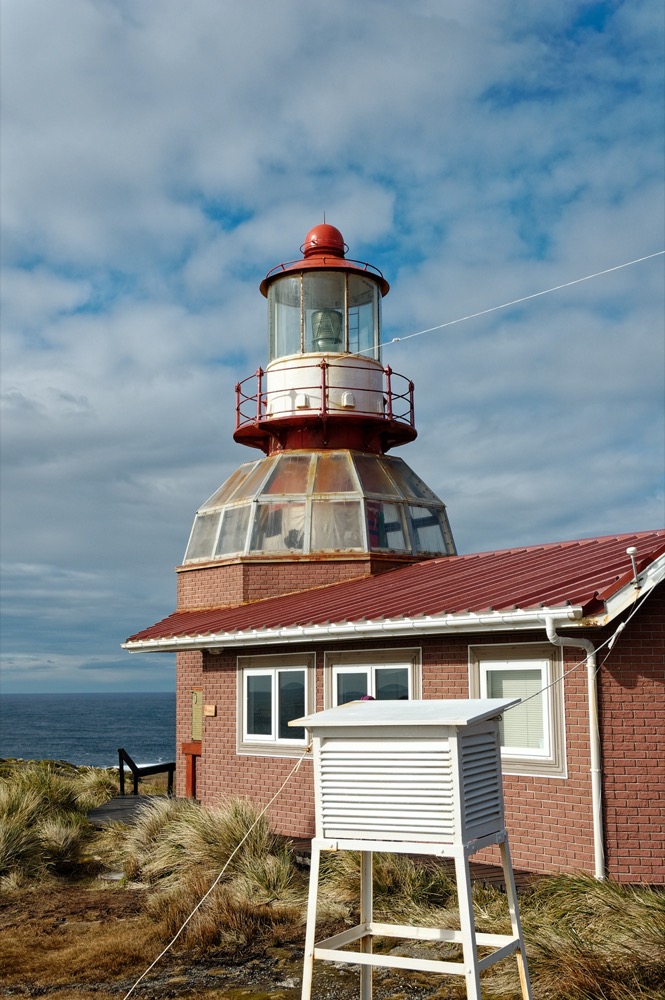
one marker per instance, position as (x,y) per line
(318,388)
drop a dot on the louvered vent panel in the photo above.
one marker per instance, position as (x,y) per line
(481,781)
(371,789)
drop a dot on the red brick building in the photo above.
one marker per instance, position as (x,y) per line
(326,571)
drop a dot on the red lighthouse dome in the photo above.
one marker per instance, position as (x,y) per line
(324,239)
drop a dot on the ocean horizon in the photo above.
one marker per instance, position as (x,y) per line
(88,728)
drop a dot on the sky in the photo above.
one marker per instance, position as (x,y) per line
(158,158)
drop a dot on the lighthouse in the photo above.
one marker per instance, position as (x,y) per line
(325,495)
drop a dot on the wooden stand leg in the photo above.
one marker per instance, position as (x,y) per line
(310,932)
(468,927)
(366,917)
(515,921)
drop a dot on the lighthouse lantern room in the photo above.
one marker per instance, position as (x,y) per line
(325,411)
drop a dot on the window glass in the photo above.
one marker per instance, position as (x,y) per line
(278,527)
(284,309)
(533,735)
(290,475)
(391,683)
(333,475)
(385,528)
(363,316)
(384,674)
(373,476)
(409,483)
(203,536)
(290,703)
(323,304)
(252,483)
(426,527)
(351,686)
(258,704)
(336,525)
(523,728)
(272,691)
(233,536)
(233,483)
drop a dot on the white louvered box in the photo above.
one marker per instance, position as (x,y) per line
(414,771)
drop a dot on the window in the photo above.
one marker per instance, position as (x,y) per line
(532,733)
(273,690)
(384,674)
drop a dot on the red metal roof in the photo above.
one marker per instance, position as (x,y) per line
(583,573)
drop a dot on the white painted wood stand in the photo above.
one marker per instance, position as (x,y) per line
(421,778)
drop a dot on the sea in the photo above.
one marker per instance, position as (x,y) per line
(88,728)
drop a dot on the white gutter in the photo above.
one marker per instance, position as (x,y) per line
(594,741)
(492,621)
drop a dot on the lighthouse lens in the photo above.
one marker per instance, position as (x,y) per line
(323,305)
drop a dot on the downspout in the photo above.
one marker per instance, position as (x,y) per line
(594,741)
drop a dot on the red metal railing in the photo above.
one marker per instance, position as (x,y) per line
(395,395)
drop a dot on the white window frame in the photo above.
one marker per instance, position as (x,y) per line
(368,661)
(272,666)
(550,760)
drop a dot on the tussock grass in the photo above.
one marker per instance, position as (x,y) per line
(178,849)
(174,838)
(592,940)
(402,887)
(230,921)
(43,825)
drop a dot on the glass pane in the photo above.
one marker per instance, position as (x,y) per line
(284,308)
(409,483)
(290,476)
(351,687)
(290,703)
(323,302)
(233,536)
(523,726)
(427,532)
(203,537)
(333,475)
(259,705)
(385,527)
(278,527)
(392,683)
(373,476)
(228,488)
(336,525)
(363,317)
(252,484)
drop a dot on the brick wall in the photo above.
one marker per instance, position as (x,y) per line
(219,585)
(632,712)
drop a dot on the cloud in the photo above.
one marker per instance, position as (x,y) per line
(158,159)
